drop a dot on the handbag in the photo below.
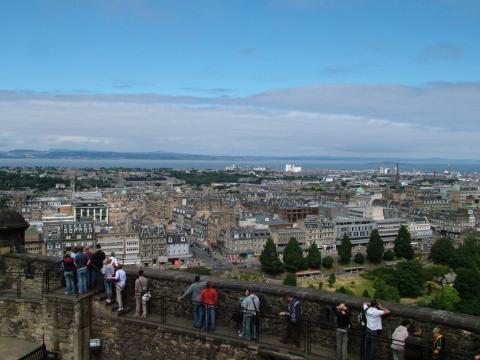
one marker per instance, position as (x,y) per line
(145,295)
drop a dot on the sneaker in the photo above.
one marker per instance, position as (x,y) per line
(108,301)
(120,309)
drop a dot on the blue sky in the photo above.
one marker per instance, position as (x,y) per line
(222,54)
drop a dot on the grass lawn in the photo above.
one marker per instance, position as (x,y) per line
(358,286)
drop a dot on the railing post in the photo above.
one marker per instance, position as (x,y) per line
(19,285)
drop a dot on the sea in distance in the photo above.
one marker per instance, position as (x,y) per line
(272,164)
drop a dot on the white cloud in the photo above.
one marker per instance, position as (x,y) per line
(437,120)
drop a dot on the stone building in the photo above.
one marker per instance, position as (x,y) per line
(178,248)
(81,233)
(125,246)
(321,232)
(34,241)
(243,242)
(153,241)
(90,205)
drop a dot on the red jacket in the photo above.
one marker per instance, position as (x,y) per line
(209,296)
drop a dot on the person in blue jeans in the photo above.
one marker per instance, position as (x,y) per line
(81,261)
(68,272)
(250,307)
(209,299)
(194,290)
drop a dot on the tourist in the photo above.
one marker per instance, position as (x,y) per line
(373,313)
(141,287)
(108,272)
(68,272)
(399,338)
(439,352)
(114,260)
(343,327)
(97,265)
(209,299)
(251,307)
(294,321)
(120,279)
(81,261)
(194,290)
(89,254)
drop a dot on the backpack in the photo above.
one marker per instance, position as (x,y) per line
(362,318)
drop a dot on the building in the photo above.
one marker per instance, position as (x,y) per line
(293,213)
(153,240)
(332,210)
(34,241)
(73,234)
(125,246)
(358,230)
(178,248)
(421,232)
(321,232)
(243,243)
(364,212)
(293,168)
(184,219)
(90,205)
(281,237)
(388,229)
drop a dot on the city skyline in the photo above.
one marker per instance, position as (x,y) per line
(300,78)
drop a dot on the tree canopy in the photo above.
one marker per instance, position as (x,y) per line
(375,247)
(314,257)
(293,256)
(327,262)
(442,250)
(345,250)
(409,279)
(290,279)
(403,244)
(271,264)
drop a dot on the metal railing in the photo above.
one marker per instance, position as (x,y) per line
(41,353)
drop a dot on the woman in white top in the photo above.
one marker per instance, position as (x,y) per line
(399,337)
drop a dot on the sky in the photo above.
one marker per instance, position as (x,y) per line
(393,78)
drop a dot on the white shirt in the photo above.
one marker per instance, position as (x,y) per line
(374,317)
(398,338)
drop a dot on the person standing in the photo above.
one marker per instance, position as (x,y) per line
(141,287)
(81,261)
(97,264)
(373,313)
(89,254)
(294,321)
(343,327)
(251,306)
(209,299)
(120,280)
(108,272)
(68,272)
(194,290)
(399,338)
(439,351)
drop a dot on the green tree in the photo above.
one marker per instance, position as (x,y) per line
(293,256)
(375,247)
(345,250)
(344,290)
(327,262)
(408,278)
(290,279)
(314,257)
(386,292)
(403,244)
(388,255)
(365,293)
(359,258)
(446,299)
(332,279)
(466,255)
(320,285)
(442,250)
(271,264)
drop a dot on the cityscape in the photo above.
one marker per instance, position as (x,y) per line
(278,179)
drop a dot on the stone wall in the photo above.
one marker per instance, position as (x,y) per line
(69,322)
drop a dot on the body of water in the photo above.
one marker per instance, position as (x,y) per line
(308,165)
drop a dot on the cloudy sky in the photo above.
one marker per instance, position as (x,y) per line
(261,77)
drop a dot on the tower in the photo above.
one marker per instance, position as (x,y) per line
(397,177)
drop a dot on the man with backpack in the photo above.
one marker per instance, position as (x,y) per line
(373,313)
(294,321)
(250,308)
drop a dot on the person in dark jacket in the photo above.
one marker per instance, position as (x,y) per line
(294,321)
(68,273)
(439,351)
(343,326)
(97,264)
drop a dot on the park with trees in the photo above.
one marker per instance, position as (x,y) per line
(448,278)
